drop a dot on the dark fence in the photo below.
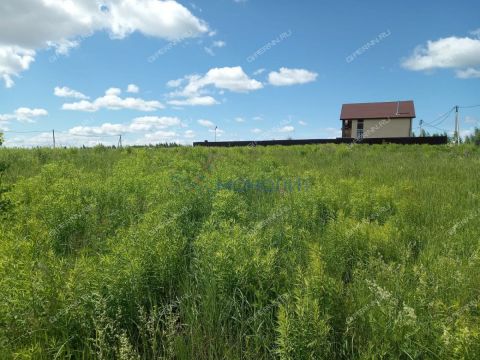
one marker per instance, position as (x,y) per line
(431,140)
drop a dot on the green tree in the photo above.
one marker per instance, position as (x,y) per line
(1,138)
(474,138)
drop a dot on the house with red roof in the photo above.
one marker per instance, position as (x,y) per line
(377,120)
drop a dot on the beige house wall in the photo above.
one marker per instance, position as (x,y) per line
(384,128)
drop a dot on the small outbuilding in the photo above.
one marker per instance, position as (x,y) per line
(377,120)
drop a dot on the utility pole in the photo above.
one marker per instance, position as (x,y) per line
(53,135)
(216,127)
(421,123)
(120,141)
(457,127)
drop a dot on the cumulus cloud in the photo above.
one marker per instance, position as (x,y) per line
(24,114)
(160,136)
(206,123)
(14,60)
(230,78)
(112,101)
(286,129)
(462,54)
(215,44)
(476,33)
(147,123)
(175,83)
(66,139)
(468,73)
(139,124)
(286,77)
(68,93)
(233,79)
(189,134)
(194,101)
(27,26)
(133,89)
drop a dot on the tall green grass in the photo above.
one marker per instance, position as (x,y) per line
(139,254)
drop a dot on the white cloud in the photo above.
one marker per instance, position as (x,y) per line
(175,83)
(286,129)
(160,136)
(219,44)
(112,100)
(303,123)
(286,77)
(65,139)
(239,119)
(209,51)
(215,44)
(462,54)
(13,60)
(113,91)
(206,123)
(24,114)
(231,78)
(104,129)
(139,124)
(69,93)
(147,123)
(43,139)
(259,72)
(134,133)
(133,89)
(189,134)
(256,131)
(26,26)
(468,73)
(227,78)
(194,101)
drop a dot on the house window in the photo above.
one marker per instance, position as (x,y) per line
(360,129)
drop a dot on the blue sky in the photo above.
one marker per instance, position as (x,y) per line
(255,69)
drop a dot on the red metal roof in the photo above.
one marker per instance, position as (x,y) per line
(380,110)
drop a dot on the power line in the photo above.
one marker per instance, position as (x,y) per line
(468,107)
(435,127)
(441,118)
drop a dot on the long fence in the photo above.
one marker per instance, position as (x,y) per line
(430,140)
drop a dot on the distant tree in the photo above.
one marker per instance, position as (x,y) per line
(474,138)
(1,138)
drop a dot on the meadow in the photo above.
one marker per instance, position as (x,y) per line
(155,253)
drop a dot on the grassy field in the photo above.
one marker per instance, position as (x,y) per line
(313,252)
